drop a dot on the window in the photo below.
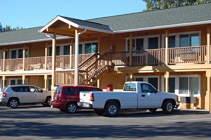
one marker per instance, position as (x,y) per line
(172,42)
(20,53)
(138,44)
(130,87)
(19,81)
(80,48)
(13,54)
(50,51)
(58,90)
(171,84)
(69,90)
(12,82)
(95,89)
(153,43)
(49,84)
(154,82)
(57,51)
(82,89)
(146,88)
(188,85)
(67,50)
(20,89)
(32,89)
(91,48)
(189,40)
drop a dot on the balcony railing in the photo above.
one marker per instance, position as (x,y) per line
(149,57)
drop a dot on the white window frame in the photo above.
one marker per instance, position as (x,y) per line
(177,85)
(16,80)
(146,41)
(17,49)
(177,37)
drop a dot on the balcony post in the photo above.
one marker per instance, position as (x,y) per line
(76,57)
(71,53)
(46,55)
(46,81)
(131,49)
(24,56)
(208,96)
(23,79)
(3,81)
(166,47)
(208,44)
(166,75)
(4,57)
(53,64)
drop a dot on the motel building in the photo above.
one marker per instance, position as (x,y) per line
(168,48)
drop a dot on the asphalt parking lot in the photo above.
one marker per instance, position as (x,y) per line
(38,122)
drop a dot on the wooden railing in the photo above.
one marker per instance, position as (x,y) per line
(92,58)
(35,63)
(187,55)
(1,64)
(14,64)
(119,58)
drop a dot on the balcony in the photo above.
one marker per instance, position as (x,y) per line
(38,63)
(156,57)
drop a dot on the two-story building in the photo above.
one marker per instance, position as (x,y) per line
(169,48)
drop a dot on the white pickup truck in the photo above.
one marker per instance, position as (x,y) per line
(135,95)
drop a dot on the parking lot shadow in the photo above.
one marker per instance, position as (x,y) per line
(190,129)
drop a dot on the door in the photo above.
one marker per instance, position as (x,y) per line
(149,98)
(34,95)
(69,94)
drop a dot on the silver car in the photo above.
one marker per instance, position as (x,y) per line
(13,95)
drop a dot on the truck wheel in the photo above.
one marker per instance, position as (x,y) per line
(153,110)
(168,106)
(71,108)
(13,103)
(47,101)
(99,112)
(112,109)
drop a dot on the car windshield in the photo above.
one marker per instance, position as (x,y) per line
(58,90)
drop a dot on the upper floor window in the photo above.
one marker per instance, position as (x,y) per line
(18,53)
(91,48)
(189,40)
(57,51)
(138,44)
(67,50)
(153,43)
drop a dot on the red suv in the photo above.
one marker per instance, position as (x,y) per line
(66,97)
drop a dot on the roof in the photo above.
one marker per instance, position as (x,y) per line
(167,18)
(23,36)
(149,19)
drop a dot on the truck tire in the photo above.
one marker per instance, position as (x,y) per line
(71,108)
(168,107)
(112,109)
(153,110)
(13,102)
(99,112)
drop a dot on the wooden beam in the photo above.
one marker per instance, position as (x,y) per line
(3,81)
(53,62)
(166,47)
(46,55)
(76,57)
(208,96)
(23,79)
(208,44)
(24,56)
(131,49)
(4,58)
(130,76)
(46,82)
(166,75)
(71,53)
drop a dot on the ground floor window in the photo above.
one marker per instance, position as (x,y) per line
(49,82)
(17,81)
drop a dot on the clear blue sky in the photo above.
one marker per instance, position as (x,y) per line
(33,13)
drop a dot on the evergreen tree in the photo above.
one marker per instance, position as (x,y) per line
(164,4)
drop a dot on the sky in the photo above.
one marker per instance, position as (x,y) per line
(34,13)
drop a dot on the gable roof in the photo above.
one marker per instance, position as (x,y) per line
(172,17)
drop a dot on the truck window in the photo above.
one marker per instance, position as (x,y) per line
(58,90)
(129,87)
(95,89)
(146,88)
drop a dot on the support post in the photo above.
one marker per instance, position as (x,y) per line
(76,57)
(46,82)
(166,47)
(53,64)
(208,44)
(131,49)
(3,81)
(46,55)
(4,58)
(208,96)
(24,57)
(98,51)
(23,79)
(166,75)
(71,53)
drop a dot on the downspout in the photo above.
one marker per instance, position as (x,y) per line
(76,55)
